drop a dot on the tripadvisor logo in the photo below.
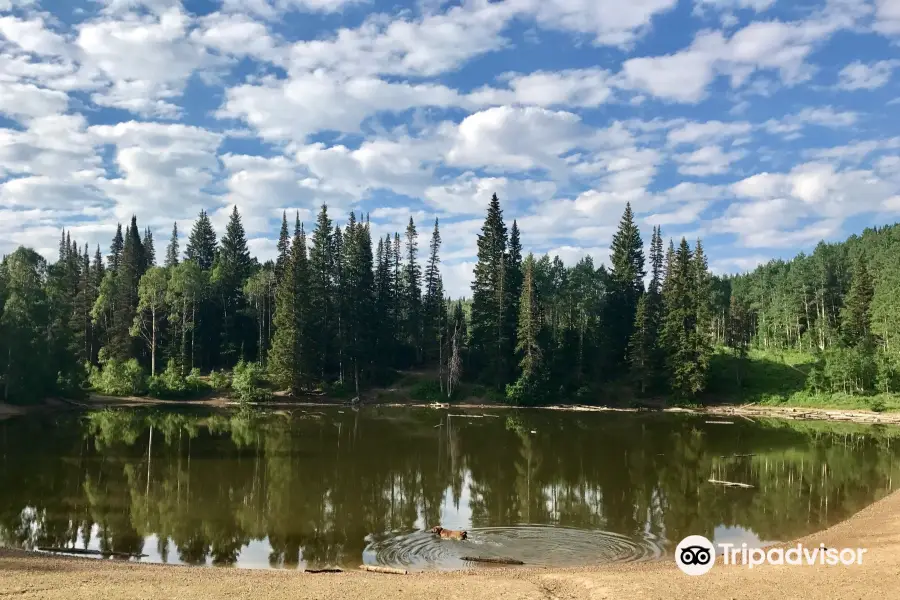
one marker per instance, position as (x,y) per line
(696,555)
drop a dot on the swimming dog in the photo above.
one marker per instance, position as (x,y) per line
(449,534)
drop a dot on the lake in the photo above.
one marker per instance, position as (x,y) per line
(322,487)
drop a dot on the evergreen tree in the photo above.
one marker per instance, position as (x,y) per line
(232,268)
(412,283)
(531,386)
(124,308)
(81,317)
(641,346)
(340,300)
(115,249)
(321,296)
(172,250)
(434,297)
(284,247)
(738,334)
(201,246)
(149,249)
(701,297)
(286,357)
(685,371)
(513,284)
(627,281)
(360,299)
(489,339)
(856,313)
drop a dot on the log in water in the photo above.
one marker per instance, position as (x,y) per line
(496,561)
(89,552)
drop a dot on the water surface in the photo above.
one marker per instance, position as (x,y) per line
(315,488)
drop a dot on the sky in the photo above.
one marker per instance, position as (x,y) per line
(760,126)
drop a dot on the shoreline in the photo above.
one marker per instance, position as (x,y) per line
(876,528)
(745,411)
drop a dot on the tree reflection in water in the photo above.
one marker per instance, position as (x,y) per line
(311,487)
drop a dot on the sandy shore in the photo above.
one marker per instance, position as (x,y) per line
(877,528)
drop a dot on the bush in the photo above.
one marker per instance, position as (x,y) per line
(878,405)
(219,380)
(172,384)
(118,378)
(248,382)
(428,390)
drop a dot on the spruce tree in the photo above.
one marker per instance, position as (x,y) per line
(340,300)
(360,300)
(856,313)
(285,358)
(321,296)
(201,246)
(115,249)
(654,311)
(686,373)
(149,249)
(627,281)
(412,282)
(433,300)
(531,386)
(513,285)
(232,268)
(128,275)
(701,294)
(489,340)
(641,346)
(284,247)
(172,250)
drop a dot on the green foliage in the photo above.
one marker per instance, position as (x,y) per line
(119,378)
(219,380)
(248,383)
(172,384)
(427,390)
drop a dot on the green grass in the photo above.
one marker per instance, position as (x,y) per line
(779,379)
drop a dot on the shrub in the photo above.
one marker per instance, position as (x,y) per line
(878,405)
(248,382)
(428,390)
(118,378)
(219,380)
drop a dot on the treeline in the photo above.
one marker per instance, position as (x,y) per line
(344,310)
(338,311)
(841,303)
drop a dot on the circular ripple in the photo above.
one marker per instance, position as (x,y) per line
(534,545)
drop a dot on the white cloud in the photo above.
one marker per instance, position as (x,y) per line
(146,60)
(612,23)
(516,139)
(26,100)
(291,109)
(861,76)
(825,116)
(469,194)
(757,5)
(575,87)
(887,16)
(708,160)
(32,36)
(706,132)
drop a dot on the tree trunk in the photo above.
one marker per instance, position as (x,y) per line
(153,344)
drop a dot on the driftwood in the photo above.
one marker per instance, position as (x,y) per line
(737,455)
(377,569)
(731,484)
(85,552)
(331,570)
(721,422)
(496,561)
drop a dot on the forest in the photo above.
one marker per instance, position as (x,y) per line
(338,313)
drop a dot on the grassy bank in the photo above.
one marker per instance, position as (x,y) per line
(779,379)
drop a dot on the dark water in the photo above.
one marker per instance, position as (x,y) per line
(337,487)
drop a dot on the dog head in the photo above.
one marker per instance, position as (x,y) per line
(464,535)
(436,529)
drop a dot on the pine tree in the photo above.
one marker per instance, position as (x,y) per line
(201,246)
(641,346)
(513,285)
(531,386)
(127,277)
(359,287)
(434,300)
(115,249)
(654,311)
(856,313)
(627,281)
(284,248)
(489,339)
(321,296)
(232,268)
(286,358)
(412,283)
(98,326)
(149,249)
(701,296)
(173,251)
(686,373)
(81,317)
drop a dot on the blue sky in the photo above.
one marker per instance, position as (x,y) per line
(761,126)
